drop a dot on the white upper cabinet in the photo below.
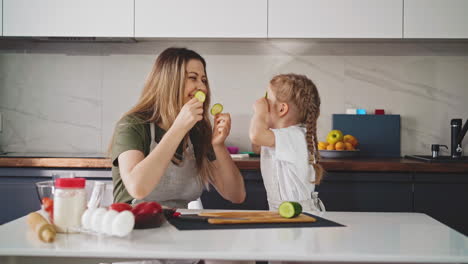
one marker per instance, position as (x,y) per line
(201,18)
(76,18)
(436,19)
(339,19)
(335,18)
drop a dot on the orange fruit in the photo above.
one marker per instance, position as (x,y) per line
(339,145)
(356,142)
(331,147)
(322,144)
(320,147)
(351,139)
(349,146)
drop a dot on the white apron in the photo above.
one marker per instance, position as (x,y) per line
(179,184)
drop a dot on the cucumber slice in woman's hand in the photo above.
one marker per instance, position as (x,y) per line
(201,96)
(290,209)
(216,109)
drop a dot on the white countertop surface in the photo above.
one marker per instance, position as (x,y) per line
(367,237)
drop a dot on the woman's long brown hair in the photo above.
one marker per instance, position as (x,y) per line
(162,99)
(303,94)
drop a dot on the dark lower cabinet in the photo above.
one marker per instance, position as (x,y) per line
(255,195)
(443,197)
(19,197)
(367,192)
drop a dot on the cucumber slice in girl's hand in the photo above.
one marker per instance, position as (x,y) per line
(290,209)
(201,96)
(216,109)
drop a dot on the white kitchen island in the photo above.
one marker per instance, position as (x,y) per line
(367,238)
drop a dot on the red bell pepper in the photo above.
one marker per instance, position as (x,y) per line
(148,215)
(119,207)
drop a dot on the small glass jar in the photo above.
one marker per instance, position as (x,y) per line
(69,204)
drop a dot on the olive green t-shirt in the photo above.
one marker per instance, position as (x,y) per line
(133,133)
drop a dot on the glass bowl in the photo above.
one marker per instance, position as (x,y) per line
(46,189)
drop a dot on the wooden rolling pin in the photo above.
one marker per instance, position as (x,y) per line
(45,231)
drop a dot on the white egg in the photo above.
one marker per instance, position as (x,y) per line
(106,226)
(123,224)
(96,219)
(86,219)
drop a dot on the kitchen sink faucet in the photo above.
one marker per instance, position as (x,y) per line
(457,137)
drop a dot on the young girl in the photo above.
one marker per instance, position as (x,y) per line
(285,126)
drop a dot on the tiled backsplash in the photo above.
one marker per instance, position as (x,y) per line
(66,97)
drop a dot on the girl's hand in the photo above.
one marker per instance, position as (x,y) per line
(261,106)
(189,115)
(221,129)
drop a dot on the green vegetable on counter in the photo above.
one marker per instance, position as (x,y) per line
(290,209)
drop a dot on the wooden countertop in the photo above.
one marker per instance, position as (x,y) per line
(368,164)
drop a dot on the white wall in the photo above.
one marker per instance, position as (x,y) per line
(66,97)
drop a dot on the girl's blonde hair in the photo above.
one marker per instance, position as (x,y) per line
(162,99)
(303,94)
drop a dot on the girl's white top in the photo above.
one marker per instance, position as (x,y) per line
(286,171)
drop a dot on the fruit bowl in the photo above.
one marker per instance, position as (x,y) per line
(333,154)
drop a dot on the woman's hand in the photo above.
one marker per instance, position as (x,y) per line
(221,129)
(189,115)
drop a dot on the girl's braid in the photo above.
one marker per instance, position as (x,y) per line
(308,101)
(313,112)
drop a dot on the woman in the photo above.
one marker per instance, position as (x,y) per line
(164,149)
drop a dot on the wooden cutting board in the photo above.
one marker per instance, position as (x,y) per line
(256,217)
